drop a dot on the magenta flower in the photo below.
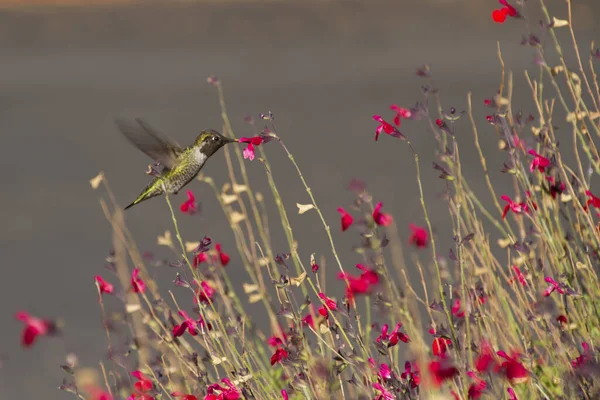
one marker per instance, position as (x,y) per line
(517,208)
(511,394)
(284,394)
(249,150)
(184,396)
(223,257)
(400,113)
(381,218)
(205,292)
(418,237)
(226,392)
(189,324)
(190,206)
(392,338)
(104,286)
(34,327)
(539,162)
(330,305)
(279,355)
(385,372)
(386,127)
(361,284)
(137,284)
(512,368)
(347,219)
(199,259)
(519,276)
(553,286)
(384,394)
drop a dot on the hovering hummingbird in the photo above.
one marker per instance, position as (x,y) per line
(179,165)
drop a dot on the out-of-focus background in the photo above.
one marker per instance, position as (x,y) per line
(67,68)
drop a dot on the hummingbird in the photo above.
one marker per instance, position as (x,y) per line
(179,165)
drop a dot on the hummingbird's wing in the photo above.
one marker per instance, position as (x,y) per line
(154,144)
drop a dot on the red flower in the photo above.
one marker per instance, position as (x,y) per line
(562,319)
(539,162)
(223,257)
(34,327)
(383,126)
(441,371)
(189,324)
(414,377)
(476,389)
(330,304)
(381,218)
(144,384)
(97,393)
(456,311)
(511,394)
(361,284)
(553,286)
(593,200)
(199,259)
(137,284)
(184,396)
(385,372)
(514,371)
(205,292)
(278,356)
(499,16)
(393,338)
(190,206)
(517,208)
(582,359)
(486,358)
(519,275)
(418,237)
(103,286)
(284,394)
(346,219)
(440,345)
(227,392)
(400,113)
(253,141)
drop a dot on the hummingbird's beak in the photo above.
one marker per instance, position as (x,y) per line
(233,140)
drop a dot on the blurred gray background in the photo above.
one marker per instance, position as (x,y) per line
(323,68)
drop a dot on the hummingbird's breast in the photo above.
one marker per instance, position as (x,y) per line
(191,162)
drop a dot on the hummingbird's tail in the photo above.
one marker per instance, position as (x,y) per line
(153,189)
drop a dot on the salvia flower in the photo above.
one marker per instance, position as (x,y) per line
(386,127)
(223,257)
(392,338)
(539,162)
(284,395)
(400,113)
(103,286)
(499,15)
(553,286)
(347,219)
(34,327)
(137,284)
(477,388)
(249,150)
(379,217)
(184,396)
(142,387)
(440,345)
(190,206)
(418,236)
(199,259)
(205,292)
(518,276)
(583,357)
(226,392)
(516,208)
(512,369)
(383,393)
(385,372)
(593,200)
(412,374)
(188,324)
(279,355)
(511,394)
(361,284)
(330,305)
(485,361)
(441,370)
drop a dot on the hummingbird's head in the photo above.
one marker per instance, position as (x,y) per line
(209,141)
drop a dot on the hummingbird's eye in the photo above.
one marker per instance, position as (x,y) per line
(215,138)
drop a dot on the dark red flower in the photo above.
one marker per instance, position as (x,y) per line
(137,284)
(279,355)
(553,286)
(223,257)
(249,150)
(381,218)
(512,369)
(539,162)
(189,324)
(361,284)
(190,206)
(400,113)
(412,374)
(476,389)
(199,259)
(34,327)
(440,345)
(393,338)
(418,236)
(103,286)
(346,219)
(562,320)
(489,103)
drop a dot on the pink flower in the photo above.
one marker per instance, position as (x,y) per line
(419,236)
(514,371)
(381,218)
(190,206)
(539,162)
(384,394)
(223,257)
(103,286)
(400,113)
(249,150)
(226,392)
(205,292)
(34,327)
(278,356)
(346,219)
(361,284)
(385,372)
(284,394)
(553,286)
(511,394)
(137,284)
